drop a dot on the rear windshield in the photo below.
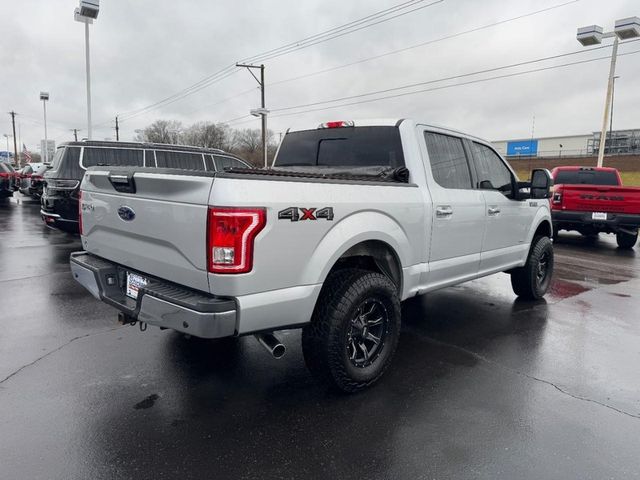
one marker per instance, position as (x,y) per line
(66,164)
(337,147)
(125,157)
(586,177)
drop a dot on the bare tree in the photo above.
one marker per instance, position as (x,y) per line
(248,140)
(162,131)
(208,135)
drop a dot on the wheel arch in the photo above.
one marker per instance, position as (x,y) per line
(370,240)
(374,255)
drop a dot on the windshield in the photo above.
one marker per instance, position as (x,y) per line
(586,177)
(342,147)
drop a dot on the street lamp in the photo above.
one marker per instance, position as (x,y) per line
(613,93)
(7,136)
(86,13)
(625,29)
(44,96)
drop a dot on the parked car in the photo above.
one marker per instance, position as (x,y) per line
(593,200)
(355,218)
(62,181)
(32,179)
(7,180)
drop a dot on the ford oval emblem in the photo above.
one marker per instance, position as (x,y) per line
(126,213)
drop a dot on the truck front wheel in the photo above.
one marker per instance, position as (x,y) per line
(533,280)
(626,240)
(354,329)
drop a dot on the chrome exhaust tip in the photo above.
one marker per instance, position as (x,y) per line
(271,343)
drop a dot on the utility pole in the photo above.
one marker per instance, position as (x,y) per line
(262,111)
(75,133)
(117,130)
(15,144)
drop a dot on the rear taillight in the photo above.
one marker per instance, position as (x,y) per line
(80,212)
(230,237)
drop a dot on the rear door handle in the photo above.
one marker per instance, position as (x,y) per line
(493,211)
(444,211)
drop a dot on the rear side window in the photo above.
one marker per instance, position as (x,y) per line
(586,177)
(337,147)
(448,160)
(112,157)
(184,160)
(223,162)
(491,168)
(66,164)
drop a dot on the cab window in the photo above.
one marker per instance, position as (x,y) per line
(493,174)
(448,161)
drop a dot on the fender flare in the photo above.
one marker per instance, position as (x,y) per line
(357,228)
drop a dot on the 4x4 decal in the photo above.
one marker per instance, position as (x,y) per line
(299,213)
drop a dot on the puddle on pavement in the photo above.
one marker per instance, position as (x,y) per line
(570,280)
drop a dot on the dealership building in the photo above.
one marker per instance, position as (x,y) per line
(617,142)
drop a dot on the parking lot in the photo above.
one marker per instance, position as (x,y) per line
(482,385)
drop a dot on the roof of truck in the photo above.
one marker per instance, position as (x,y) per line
(382,122)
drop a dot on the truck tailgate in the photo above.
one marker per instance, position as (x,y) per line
(159,229)
(595,198)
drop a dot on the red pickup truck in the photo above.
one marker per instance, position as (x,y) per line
(593,200)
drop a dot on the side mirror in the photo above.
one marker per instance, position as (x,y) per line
(541,183)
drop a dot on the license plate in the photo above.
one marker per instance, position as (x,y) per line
(598,216)
(134,282)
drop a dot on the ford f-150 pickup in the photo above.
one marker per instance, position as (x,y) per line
(593,200)
(352,218)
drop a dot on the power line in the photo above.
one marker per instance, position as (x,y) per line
(453,77)
(289,48)
(515,74)
(428,42)
(331,37)
(332,30)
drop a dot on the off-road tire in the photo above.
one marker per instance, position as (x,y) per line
(625,240)
(526,281)
(325,341)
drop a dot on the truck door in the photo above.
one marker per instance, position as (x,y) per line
(458,211)
(508,219)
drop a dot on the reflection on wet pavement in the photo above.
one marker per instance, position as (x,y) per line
(483,385)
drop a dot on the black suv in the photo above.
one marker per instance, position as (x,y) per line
(7,180)
(62,180)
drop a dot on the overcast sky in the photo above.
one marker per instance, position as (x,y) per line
(146,50)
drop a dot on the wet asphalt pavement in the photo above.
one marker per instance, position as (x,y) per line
(482,385)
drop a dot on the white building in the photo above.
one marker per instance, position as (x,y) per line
(617,142)
(569,145)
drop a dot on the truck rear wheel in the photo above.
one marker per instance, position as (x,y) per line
(626,240)
(354,329)
(533,280)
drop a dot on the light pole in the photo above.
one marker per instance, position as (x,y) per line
(7,136)
(613,91)
(44,96)
(86,13)
(592,35)
(262,111)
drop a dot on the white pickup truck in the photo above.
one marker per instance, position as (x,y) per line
(352,219)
